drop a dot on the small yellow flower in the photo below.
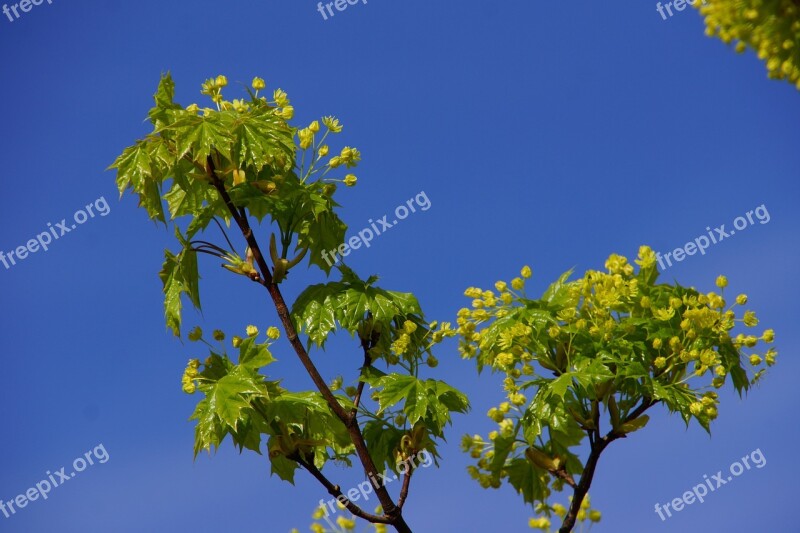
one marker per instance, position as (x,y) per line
(539,523)
(346,523)
(559,510)
(586,503)
(273,332)
(314,127)
(323,150)
(504,360)
(192,108)
(647,257)
(332,123)
(306,137)
(741,299)
(221,81)
(595,515)
(664,314)
(755,360)
(657,343)
(517,284)
(219,335)
(287,112)
(750,319)
(722,282)
(770,356)
(350,180)
(616,264)
(252,330)
(506,427)
(240,106)
(409,327)
(196,334)
(473,292)
(350,156)
(236,341)
(518,399)
(258,83)
(660,362)
(769,336)
(525,272)
(280,97)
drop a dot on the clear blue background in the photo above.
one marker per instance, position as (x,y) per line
(546,133)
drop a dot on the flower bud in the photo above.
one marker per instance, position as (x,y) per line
(196,334)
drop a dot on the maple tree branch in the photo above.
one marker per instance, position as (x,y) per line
(389,508)
(591,464)
(336,492)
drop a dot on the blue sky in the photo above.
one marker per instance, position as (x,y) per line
(549,134)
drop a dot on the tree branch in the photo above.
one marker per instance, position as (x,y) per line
(366,345)
(389,508)
(336,492)
(566,476)
(591,464)
(404,489)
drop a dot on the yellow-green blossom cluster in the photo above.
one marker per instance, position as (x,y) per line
(212,88)
(323,523)
(484,452)
(770,27)
(677,330)
(620,338)
(410,341)
(584,513)
(307,139)
(188,381)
